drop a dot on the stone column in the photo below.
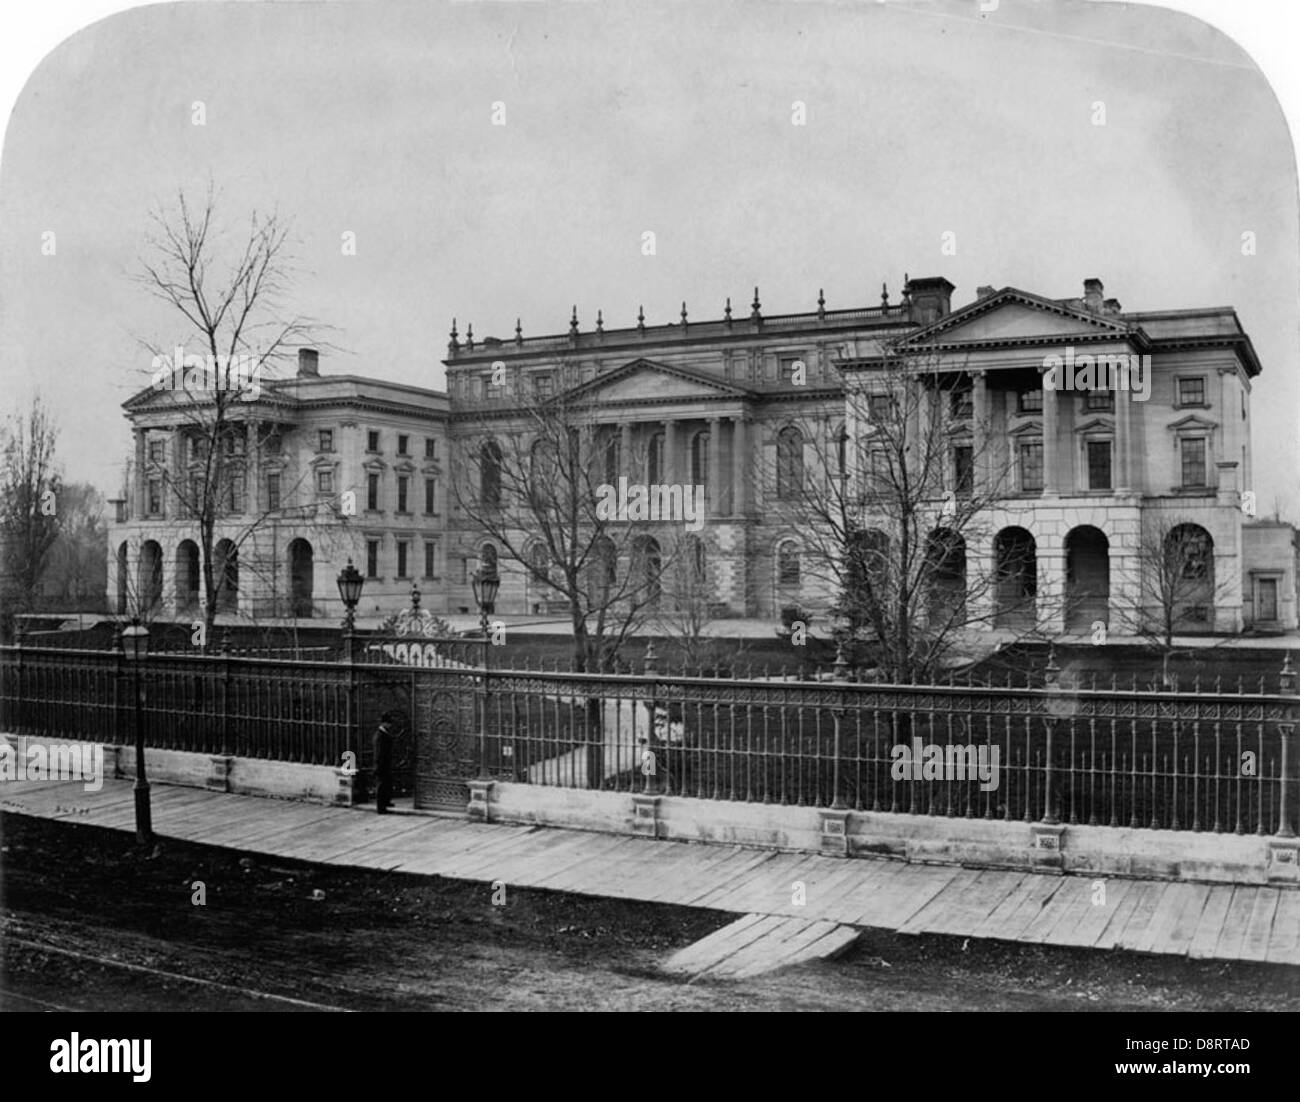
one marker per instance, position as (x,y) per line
(252,470)
(624,452)
(668,474)
(713,495)
(176,472)
(140,500)
(1051,465)
(1124,457)
(979,431)
(739,459)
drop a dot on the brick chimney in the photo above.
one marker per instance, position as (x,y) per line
(1092,295)
(308,363)
(931,298)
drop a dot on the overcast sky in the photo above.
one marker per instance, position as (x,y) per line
(376,119)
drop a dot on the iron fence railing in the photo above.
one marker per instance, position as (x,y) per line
(1216,761)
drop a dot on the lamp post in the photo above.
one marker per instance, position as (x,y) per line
(135,646)
(350,582)
(487,583)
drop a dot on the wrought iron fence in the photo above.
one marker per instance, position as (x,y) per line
(1105,756)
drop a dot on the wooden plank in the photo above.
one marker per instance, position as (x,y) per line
(1155,938)
(700,953)
(1134,893)
(1235,923)
(937,908)
(659,874)
(835,942)
(1209,927)
(602,857)
(751,879)
(526,860)
(772,951)
(1284,940)
(1093,922)
(858,903)
(1255,944)
(690,865)
(991,924)
(966,913)
(777,896)
(1144,914)
(704,871)
(731,939)
(1067,908)
(1030,901)
(1178,939)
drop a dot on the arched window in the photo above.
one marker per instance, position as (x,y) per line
(789,463)
(700,459)
(787,564)
(490,475)
(648,563)
(539,560)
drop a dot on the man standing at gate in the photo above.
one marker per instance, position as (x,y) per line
(383,747)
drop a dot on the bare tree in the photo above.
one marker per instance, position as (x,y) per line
(1177,588)
(30,486)
(232,302)
(77,571)
(538,489)
(688,605)
(887,506)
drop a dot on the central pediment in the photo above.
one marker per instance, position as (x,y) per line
(644,380)
(1013,316)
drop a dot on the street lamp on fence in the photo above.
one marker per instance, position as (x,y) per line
(135,646)
(487,584)
(350,583)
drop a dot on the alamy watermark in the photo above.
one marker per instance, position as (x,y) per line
(54,761)
(636,501)
(204,374)
(932,761)
(1105,371)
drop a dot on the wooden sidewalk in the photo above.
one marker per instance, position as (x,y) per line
(1223,922)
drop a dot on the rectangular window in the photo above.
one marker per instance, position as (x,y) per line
(1194,462)
(963,468)
(402,481)
(326,440)
(402,546)
(324,482)
(155,496)
(372,440)
(1031,467)
(430,558)
(372,491)
(273,492)
(1191,392)
(372,558)
(881,407)
(962,404)
(402,442)
(788,366)
(1031,401)
(464,571)
(156,451)
(431,495)
(543,384)
(235,494)
(1101,401)
(430,448)
(1099,465)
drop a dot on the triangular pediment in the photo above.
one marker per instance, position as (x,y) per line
(644,380)
(1012,315)
(1192,423)
(1095,424)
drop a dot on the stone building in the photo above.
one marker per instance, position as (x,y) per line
(319,469)
(1092,477)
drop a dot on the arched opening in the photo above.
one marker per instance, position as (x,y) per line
(187,577)
(538,577)
(945,566)
(1015,586)
(122,581)
(789,570)
(1189,574)
(1087,578)
(149,580)
(490,475)
(301,569)
(866,576)
(225,569)
(789,463)
(648,563)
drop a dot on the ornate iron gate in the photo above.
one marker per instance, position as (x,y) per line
(445,740)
